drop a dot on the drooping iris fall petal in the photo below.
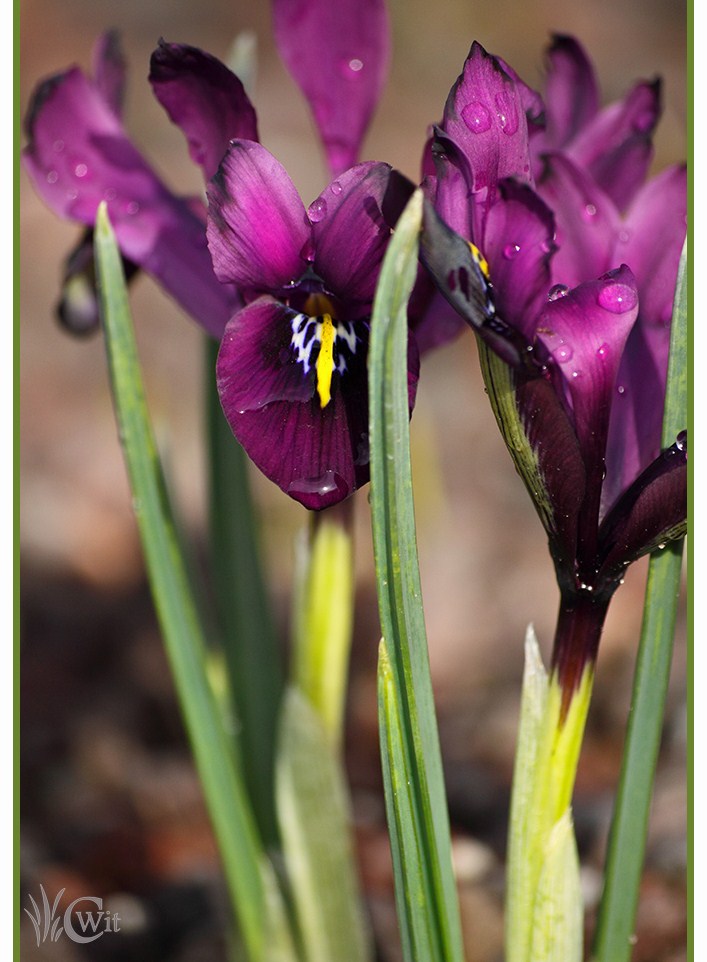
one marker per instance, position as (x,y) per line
(338,53)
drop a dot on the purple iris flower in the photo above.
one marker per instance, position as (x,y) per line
(582,255)
(291,371)
(79,154)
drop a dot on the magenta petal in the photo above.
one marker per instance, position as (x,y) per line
(572,95)
(616,146)
(79,155)
(258,230)
(585,333)
(351,232)
(651,243)
(586,219)
(338,54)
(205,99)
(485,117)
(109,70)
(518,244)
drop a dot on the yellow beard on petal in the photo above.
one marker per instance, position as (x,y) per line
(325,360)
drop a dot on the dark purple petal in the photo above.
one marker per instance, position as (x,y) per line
(78,155)
(318,455)
(205,99)
(652,511)
(485,117)
(560,465)
(351,232)
(518,244)
(338,54)
(258,231)
(585,333)
(531,100)
(109,70)
(452,190)
(587,221)
(571,94)
(616,148)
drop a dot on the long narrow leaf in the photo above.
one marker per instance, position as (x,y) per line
(247,872)
(253,658)
(409,738)
(627,841)
(315,824)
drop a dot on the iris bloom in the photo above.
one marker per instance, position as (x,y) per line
(291,372)
(79,154)
(574,329)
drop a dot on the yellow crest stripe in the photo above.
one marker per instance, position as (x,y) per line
(325,360)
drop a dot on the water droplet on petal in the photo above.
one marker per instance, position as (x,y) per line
(132,208)
(603,351)
(328,483)
(620,389)
(681,441)
(110,193)
(477,117)
(546,246)
(589,212)
(558,291)
(617,298)
(510,251)
(335,188)
(507,113)
(563,354)
(58,146)
(351,68)
(80,170)
(624,236)
(52,177)
(72,194)
(576,374)
(317,210)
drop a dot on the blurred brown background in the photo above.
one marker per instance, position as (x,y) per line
(110,802)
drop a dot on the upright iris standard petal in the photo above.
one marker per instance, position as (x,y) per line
(78,155)
(485,117)
(338,53)
(109,70)
(348,217)
(616,147)
(571,93)
(205,99)
(587,221)
(258,230)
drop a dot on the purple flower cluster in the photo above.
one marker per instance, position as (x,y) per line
(541,230)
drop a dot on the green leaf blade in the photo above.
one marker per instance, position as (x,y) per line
(412,741)
(247,872)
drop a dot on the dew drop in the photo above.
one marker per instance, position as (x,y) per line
(624,236)
(661,546)
(620,389)
(546,246)
(589,212)
(110,193)
(335,188)
(317,210)
(72,194)
(681,441)
(52,177)
(511,251)
(617,298)
(132,208)
(603,351)
(576,374)
(326,484)
(58,146)
(477,117)
(80,170)
(563,354)
(351,68)
(507,114)
(558,291)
